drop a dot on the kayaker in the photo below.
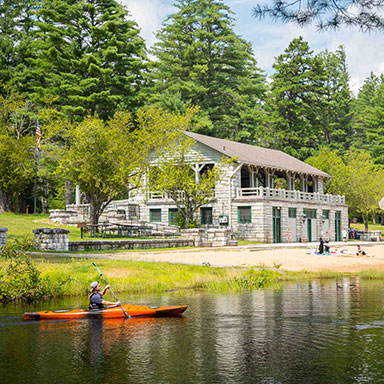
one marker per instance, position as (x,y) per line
(96,300)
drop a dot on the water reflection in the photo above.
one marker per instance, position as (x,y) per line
(315,332)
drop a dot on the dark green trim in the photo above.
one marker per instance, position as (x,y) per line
(250,215)
(201,215)
(170,211)
(292,213)
(151,211)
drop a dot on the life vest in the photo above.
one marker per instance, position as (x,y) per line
(93,306)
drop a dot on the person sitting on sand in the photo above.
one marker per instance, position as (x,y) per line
(321,246)
(327,248)
(96,298)
(360,252)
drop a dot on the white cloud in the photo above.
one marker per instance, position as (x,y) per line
(149,15)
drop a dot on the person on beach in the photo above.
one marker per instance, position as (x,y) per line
(321,246)
(96,300)
(360,252)
(344,235)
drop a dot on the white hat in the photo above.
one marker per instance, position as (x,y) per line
(94,284)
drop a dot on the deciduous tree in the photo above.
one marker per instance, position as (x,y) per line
(356,176)
(182,175)
(106,159)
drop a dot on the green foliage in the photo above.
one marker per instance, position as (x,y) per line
(182,174)
(16,43)
(90,60)
(20,279)
(336,108)
(295,100)
(107,158)
(369,119)
(17,150)
(202,62)
(310,101)
(355,176)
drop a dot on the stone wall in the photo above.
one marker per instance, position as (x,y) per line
(129,244)
(261,226)
(51,239)
(370,235)
(3,236)
(212,237)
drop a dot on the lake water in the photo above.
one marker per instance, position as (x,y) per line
(314,332)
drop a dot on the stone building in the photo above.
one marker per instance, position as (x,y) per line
(265,195)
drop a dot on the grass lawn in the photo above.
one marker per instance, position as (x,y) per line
(371,227)
(21,226)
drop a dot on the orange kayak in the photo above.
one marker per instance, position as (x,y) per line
(108,313)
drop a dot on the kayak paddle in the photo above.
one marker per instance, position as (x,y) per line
(105,281)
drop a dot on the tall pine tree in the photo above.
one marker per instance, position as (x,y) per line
(369,118)
(90,57)
(336,114)
(202,62)
(295,100)
(16,43)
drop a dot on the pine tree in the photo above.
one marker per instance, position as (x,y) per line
(202,62)
(369,118)
(337,102)
(90,57)
(295,100)
(16,43)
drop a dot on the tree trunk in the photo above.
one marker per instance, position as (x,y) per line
(5,202)
(365,221)
(94,213)
(68,192)
(382,218)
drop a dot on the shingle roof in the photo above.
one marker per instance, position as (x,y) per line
(254,155)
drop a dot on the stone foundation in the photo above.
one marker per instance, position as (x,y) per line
(3,236)
(129,244)
(213,237)
(51,239)
(370,235)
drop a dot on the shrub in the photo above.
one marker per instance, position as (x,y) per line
(20,279)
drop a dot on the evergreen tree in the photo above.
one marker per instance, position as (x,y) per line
(326,14)
(337,103)
(202,62)
(16,43)
(369,120)
(295,100)
(90,57)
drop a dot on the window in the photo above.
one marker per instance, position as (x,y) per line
(292,213)
(155,215)
(326,215)
(172,216)
(310,213)
(206,216)
(244,215)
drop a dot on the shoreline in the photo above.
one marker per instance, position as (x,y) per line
(295,257)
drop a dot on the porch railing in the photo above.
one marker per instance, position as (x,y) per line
(156,195)
(283,194)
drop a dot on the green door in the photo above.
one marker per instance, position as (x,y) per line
(338,226)
(276,225)
(309,229)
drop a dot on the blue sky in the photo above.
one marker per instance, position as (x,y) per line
(365,51)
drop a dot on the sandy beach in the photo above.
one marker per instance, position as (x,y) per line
(289,257)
